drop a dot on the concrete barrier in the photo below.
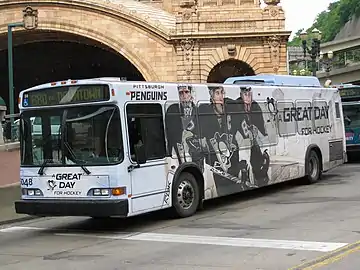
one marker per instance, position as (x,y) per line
(8,195)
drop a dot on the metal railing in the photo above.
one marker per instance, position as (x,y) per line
(6,128)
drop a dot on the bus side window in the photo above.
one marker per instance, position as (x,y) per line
(134,134)
(304,123)
(337,109)
(320,116)
(146,126)
(286,119)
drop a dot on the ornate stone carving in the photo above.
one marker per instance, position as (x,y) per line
(30,18)
(273,11)
(274,43)
(272,2)
(231,48)
(187,46)
(188,8)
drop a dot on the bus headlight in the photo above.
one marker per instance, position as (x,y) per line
(101,192)
(107,191)
(32,192)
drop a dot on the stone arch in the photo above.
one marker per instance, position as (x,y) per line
(118,25)
(142,65)
(247,55)
(229,68)
(154,20)
(41,60)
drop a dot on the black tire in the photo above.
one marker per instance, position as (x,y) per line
(185,195)
(313,168)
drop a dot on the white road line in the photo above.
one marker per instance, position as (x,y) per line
(238,242)
(220,241)
(16,229)
(204,240)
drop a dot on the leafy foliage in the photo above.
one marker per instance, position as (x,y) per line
(332,20)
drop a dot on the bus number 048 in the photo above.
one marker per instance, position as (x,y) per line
(26,182)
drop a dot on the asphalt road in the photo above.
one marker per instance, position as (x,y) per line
(289,226)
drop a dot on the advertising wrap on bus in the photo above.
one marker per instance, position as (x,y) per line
(352,123)
(65,185)
(352,135)
(111,148)
(350,96)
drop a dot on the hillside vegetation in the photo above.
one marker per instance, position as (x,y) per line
(330,21)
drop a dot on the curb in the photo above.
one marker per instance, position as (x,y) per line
(8,195)
(15,220)
(10,185)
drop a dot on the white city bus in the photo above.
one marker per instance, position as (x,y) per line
(126,148)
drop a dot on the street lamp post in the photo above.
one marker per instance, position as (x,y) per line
(314,51)
(30,22)
(327,59)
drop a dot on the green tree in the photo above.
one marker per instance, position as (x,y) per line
(332,20)
(296,41)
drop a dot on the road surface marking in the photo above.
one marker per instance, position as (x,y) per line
(220,241)
(329,258)
(237,242)
(203,240)
(16,229)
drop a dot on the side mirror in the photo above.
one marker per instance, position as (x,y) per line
(140,154)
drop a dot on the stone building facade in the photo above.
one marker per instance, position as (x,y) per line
(166,40)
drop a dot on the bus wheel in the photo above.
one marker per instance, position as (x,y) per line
(186,195)
(313,172)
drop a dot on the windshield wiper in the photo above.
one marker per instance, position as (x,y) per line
(42,167)
(46,161)
(75,159)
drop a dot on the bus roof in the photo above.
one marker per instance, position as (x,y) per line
(349,92)
(276,80)
(346,85)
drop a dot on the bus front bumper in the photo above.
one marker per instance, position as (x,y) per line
(89,208)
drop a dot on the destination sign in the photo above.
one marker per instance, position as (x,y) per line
(350,92)
(66,95)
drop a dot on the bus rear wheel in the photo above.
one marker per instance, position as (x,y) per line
(313,171)
(185,195)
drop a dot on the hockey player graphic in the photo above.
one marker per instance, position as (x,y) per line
(218,139)
(252,128)
(181,125)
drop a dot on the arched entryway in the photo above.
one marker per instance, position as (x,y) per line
(98,38)
(229,68)
(42,57)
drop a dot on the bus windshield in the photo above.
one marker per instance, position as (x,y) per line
(76,136)
(351,115)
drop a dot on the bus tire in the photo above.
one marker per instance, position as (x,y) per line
(185,195)
(313,168)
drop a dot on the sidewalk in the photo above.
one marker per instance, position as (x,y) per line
(9,167)
(9,185)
